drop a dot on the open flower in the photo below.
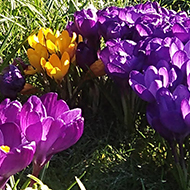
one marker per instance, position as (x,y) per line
(52,125)
(11,82)
(15,154)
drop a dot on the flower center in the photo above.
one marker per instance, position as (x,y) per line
(5,148)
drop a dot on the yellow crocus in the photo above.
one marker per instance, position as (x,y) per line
(66,43)
(34,55)
(55,67)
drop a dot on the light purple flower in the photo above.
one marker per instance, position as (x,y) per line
(15,154)
(52,125)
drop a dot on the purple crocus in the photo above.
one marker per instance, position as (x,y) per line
(52,125)
(146,85)
(120,57)
(87,25)
(15,153)
(11,82)
(85,56)
(110,24)
(168,115)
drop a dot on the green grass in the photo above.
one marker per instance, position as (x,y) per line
(112,154)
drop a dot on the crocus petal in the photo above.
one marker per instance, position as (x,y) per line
(22,156)
(8,128)
(179,58)
(54,107)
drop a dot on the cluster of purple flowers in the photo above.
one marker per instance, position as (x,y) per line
(149,47)
(34,132)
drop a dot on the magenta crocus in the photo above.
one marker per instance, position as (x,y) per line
(15,153)
(52,125)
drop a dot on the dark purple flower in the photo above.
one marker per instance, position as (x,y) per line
(85,56)
(52,125)
(119,58)
(15,154)
(71,27)
(169,116)
(11,82)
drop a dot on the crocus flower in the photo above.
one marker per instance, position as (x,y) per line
(51,52)
(15,154)
(146,85)
(85,56)
(52,125)
(110,24)
(11,82)
(169,116)
(119,58)
(55,67)
(86,22)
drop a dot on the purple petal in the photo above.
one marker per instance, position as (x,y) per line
(11,134)
(22,156)
(179,58)
(151,74)
(34,132)
(53,106)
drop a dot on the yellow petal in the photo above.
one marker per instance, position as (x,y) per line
(34,59)
(65,34)
(51,37)
(55,61)
(41,50)
(57,74)
(74,37)
(80,38)
(43,62)
(71,50)
(52,48)
(65,60)
(46,31)
(41,37)
(33,40)
(61,44)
